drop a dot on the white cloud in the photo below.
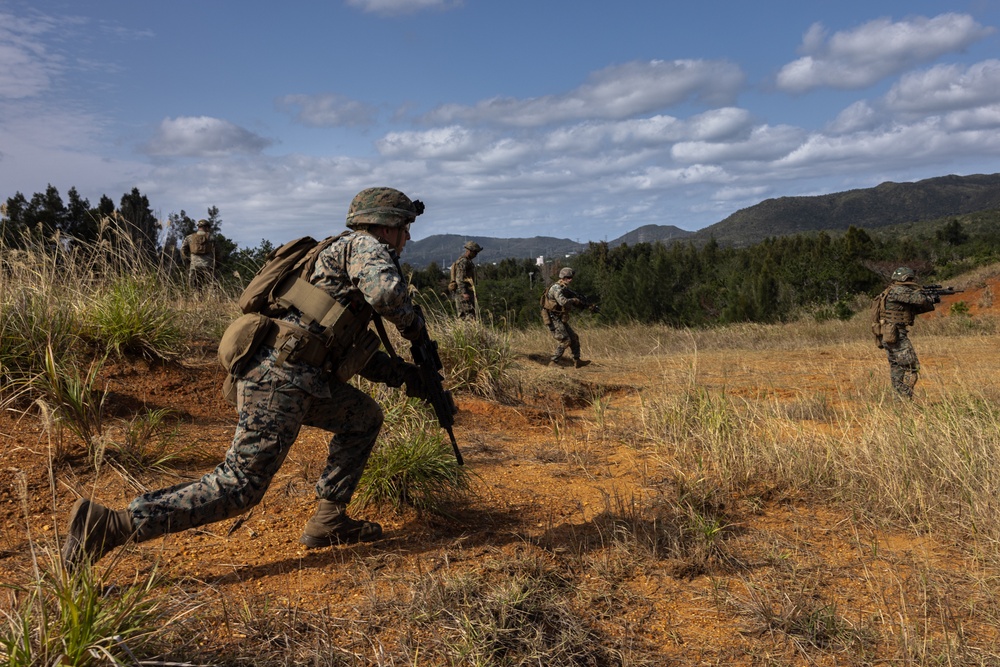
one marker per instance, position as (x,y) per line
(764,144)
(398,7)
(974,119)
(617,92)
(27,67)
(203,136)
(858,58)
(441,143)
(946,87)
(730,193)
(858,116)
(328,110)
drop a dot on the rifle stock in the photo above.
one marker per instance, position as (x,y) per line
(425,356)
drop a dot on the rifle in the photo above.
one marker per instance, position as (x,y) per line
(939,291)
(425,356)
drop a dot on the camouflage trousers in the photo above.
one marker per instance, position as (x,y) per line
(466,308)
(271,411)
(565,336)
(903,364)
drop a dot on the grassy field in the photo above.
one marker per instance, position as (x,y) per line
(748,495)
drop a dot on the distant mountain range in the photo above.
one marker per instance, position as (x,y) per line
(870,208)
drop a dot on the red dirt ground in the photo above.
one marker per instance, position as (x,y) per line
(545,470)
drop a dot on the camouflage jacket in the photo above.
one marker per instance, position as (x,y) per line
(360,269)
(904,301)
(464,275)
(560,299)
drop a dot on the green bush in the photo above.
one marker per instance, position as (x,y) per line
(132,316)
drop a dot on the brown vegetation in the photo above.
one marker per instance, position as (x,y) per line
(626,513)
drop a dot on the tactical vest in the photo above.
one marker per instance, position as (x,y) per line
(343,346)
(199,244)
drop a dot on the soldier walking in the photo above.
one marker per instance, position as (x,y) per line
(895,310)
(291,381)
(463,281)
(557,303)
(199,251)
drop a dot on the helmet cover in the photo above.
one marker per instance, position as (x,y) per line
(382,206)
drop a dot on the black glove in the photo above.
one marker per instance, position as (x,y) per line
(411,378)
(414,330)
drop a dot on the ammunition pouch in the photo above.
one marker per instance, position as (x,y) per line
(546,318)
(238,344)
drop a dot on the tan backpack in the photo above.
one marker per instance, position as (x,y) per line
(882,328)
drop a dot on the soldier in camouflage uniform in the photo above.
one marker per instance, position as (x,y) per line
(278,393)
(896,309)
(558,302)
(463,277)
(199,251)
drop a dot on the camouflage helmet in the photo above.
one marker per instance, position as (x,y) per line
(382,206)
(566,272)
(204,224)
(903,274)
(473,246)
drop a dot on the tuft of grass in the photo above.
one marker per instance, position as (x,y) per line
(412,465)
(476,356)
(72,398)
(132,317)
(73,619)
(145,444)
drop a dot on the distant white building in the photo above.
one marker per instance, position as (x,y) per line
(540,260)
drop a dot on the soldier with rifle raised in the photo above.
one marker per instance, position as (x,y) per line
(893,313)
(558,302)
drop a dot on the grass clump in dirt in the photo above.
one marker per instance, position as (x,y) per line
(413,464)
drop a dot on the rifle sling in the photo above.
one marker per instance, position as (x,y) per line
(380,328)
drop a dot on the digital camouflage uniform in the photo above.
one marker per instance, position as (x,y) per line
(903,302)
(464,272)
(277,393)
(559,301)
(199,250)
(274,401)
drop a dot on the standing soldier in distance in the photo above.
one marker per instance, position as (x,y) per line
(463,280)
(199,251)
(895,310)
(288,383)
(558,302)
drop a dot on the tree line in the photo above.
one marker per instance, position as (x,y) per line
(679,284)
(779,279)
(46,218)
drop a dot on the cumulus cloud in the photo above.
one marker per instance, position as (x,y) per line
(440,143)
(858,58)
(203,136)
(858,116)
(397,7)
(617,92)
(327,110)
(765,143)
(946,88)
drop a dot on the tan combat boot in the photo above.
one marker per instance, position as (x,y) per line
(330,525)
(94,530)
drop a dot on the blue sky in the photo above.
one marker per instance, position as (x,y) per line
(577,119)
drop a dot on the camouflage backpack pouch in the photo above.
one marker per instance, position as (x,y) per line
(238,344)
